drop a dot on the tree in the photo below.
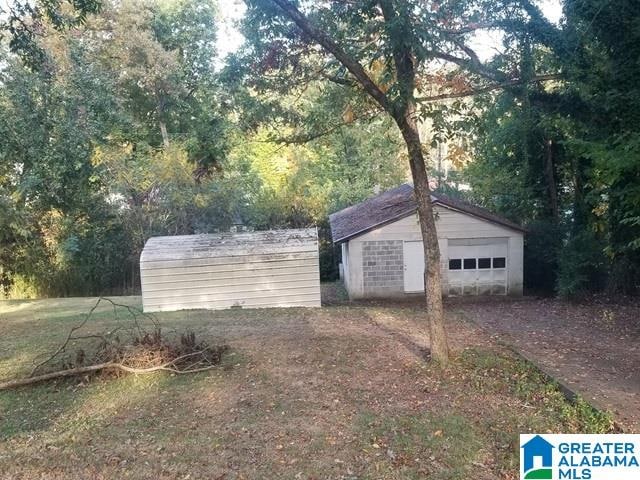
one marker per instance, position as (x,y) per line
(563,158)
(25,21)
(88,173)
(383,49)
(85,175)
(603,70)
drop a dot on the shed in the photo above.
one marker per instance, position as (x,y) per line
(275,268)
(382,253)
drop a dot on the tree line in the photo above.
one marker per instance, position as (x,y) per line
(122,128)
(119,122)
(563,158)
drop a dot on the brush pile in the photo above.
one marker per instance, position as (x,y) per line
(138,345)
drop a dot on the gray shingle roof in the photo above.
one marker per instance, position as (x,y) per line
(393,205)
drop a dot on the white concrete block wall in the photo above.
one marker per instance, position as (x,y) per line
(382,266)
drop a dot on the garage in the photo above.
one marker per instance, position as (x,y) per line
(474,266)
(481,253)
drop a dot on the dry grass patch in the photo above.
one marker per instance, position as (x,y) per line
(342,392)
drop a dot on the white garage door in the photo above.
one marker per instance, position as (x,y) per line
(477,266)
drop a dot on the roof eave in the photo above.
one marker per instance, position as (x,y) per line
(373,227)
(413,210)
(490,220)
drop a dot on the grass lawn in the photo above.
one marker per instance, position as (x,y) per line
(340,392)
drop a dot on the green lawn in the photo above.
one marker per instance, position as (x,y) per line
(337,392)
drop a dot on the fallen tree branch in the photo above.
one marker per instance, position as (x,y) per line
(63,347)
(133,312)
(70,372)
(146,352)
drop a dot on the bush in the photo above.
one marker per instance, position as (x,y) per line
(19,287)
(329,254)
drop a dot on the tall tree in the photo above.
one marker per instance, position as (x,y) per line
(25,20)
(85,175)
(564,158)
(604,66)
(384,50)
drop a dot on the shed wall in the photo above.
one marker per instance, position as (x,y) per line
(282,277)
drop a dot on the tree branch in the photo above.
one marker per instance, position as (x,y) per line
(472,64)
(167,367)
(70,337)
(543,29)
(339,80)
(402,58)
(302,139)
(357,70)
(472,27)
(488,88)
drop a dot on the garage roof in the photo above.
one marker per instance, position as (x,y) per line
(395,204)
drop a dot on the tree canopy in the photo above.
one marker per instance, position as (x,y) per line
(127,131)
(119,121)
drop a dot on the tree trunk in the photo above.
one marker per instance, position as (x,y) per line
(549,170)
(404,115)
(164,133)
(432,281)
(160,110)
(580,206)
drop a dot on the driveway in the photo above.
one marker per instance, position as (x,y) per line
(594,348)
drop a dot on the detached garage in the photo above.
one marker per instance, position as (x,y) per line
(382,254)
(276,268)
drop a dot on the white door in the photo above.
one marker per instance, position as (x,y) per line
(413,255)
(477,269)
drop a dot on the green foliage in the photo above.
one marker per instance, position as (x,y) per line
(23,23)
(120,139)
(116,126)
(130,133)
(292,185)
(543,250)
(582,265)
(562,157)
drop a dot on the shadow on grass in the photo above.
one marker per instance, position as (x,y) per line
(72,405)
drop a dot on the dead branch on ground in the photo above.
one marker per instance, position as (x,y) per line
(170,366)
(146,351)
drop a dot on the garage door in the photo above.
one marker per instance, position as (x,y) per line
(477,266)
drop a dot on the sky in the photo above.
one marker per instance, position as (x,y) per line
(229,38)
(486,43)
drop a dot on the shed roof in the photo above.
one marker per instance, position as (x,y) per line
(229,244)
(395,204)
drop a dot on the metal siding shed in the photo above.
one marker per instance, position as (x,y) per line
(274,268)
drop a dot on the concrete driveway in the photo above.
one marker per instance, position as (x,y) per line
(594,349)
